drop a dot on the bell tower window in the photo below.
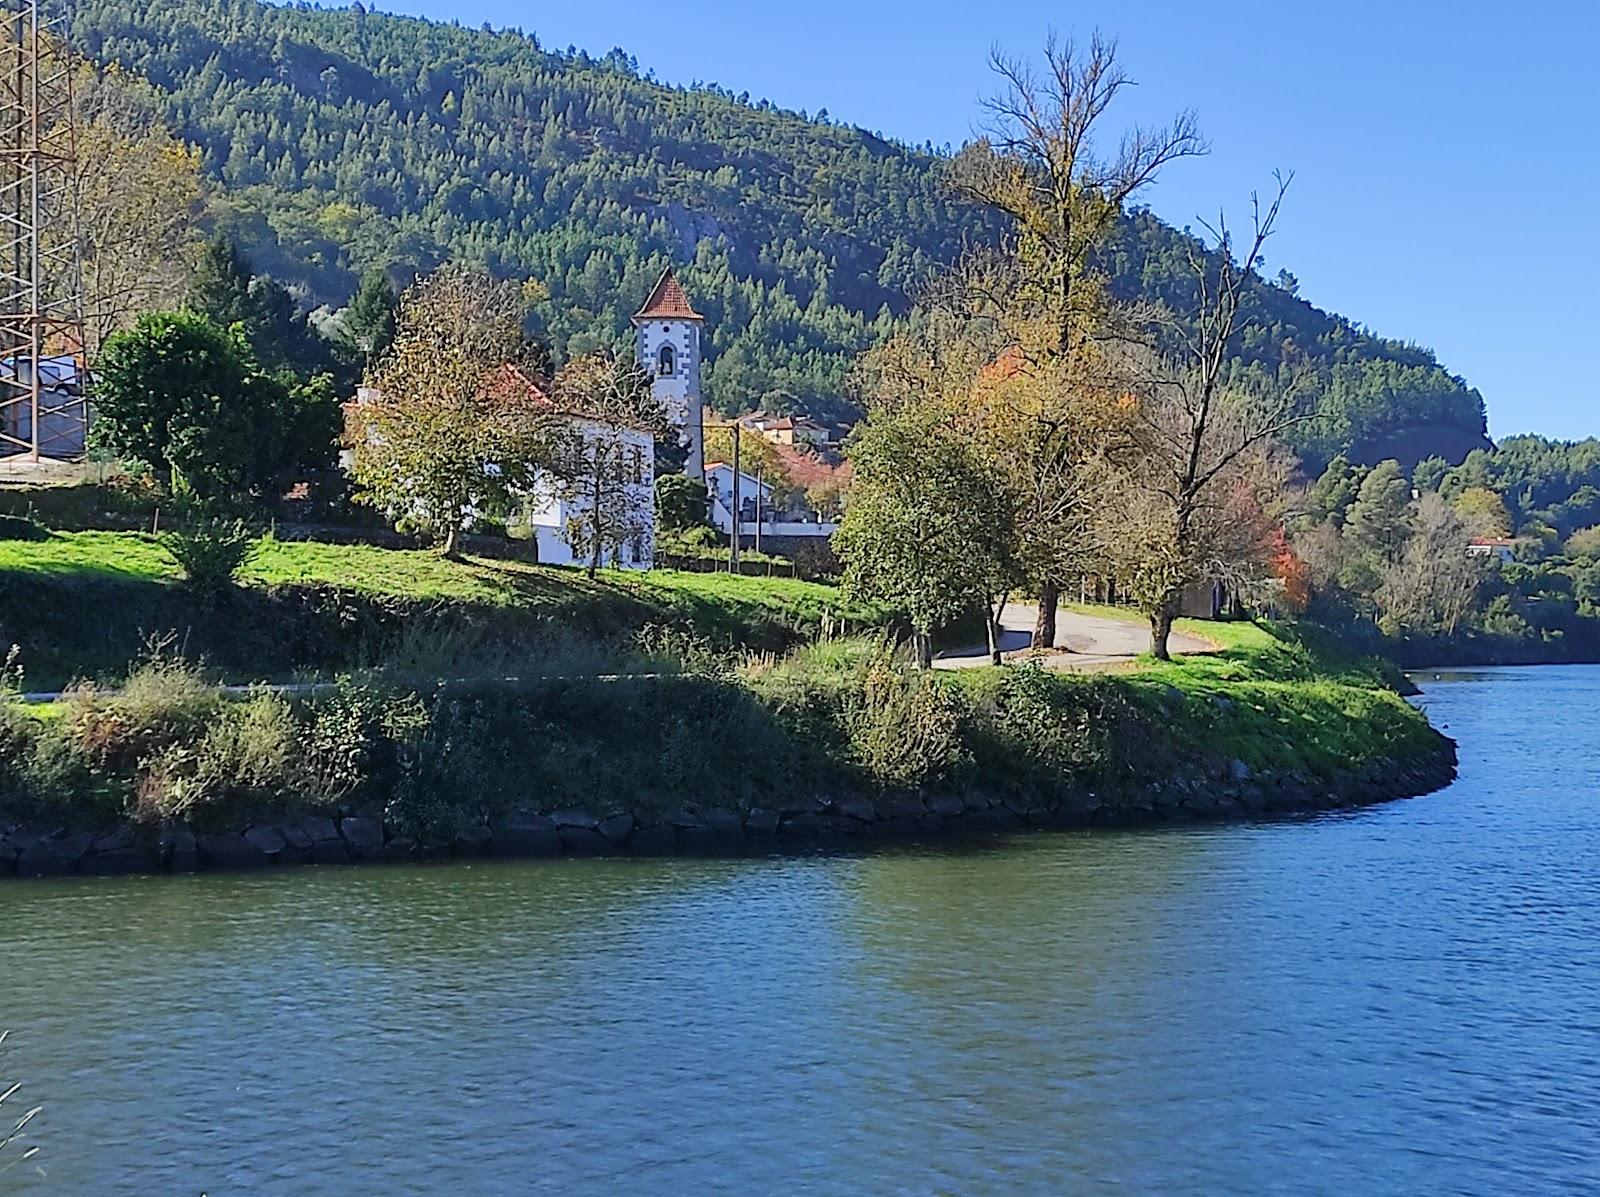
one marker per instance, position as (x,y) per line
(666,362)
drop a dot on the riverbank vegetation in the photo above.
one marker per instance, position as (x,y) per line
(669,724)
(1495,560)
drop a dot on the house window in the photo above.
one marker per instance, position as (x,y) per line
(666,362)
(637,462)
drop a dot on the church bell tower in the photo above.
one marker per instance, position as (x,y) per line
(667,331)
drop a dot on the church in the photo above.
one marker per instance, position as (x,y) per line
(667,345)
(667,341)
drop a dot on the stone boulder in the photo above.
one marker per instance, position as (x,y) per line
(617,829)
(657,840)
(573,817)
(116,862)
(363,836)
(230,851)
(761,821)
(524,833)
(474,839)
(180,852)
(43,857)
(946,806)
(856,808)
(268,841)
(583,841)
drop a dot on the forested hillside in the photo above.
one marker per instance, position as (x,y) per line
(340,140)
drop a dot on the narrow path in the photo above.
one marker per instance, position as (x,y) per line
(316,689)
(1082,641)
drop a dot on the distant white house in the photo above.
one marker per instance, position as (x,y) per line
(1498,547)
(756,507)
(63,413)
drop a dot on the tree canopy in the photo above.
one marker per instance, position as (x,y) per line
(340,141)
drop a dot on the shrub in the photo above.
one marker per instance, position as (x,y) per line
(354,739)
(246,758)
(443,769)
(164,701)
(211,553)
(903,726)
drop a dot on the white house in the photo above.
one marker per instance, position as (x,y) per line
(626,457)
(62,410)
(554,506)
(1498,547)
(771,521)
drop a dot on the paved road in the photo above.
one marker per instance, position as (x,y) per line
(1082,641)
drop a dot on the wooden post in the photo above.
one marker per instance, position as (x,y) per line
(733,544)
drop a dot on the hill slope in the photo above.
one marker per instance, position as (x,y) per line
(342,139)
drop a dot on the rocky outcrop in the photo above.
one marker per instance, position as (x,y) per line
(1233,790)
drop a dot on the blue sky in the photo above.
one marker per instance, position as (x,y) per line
(1446,155)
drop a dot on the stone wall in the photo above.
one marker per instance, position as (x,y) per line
(613,828)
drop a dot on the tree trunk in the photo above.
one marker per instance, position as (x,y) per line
(596,548)
(922,647)
(1161,631)
(452,542)
(996,631)
(1044,628)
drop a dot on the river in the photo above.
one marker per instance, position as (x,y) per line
(1398,1000)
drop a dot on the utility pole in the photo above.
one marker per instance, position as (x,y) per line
(738,523)
(43,371)
(758,508)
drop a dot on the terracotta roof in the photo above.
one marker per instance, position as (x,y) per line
(511,383)
(668,301)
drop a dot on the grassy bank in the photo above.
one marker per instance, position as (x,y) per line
(87,604)
(1268,721)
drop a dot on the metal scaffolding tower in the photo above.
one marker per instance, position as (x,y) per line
(43,372)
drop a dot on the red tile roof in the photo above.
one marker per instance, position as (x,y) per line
(510,383)
(668,301)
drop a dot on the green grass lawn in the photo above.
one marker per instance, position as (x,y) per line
(1281,697)
(417,574)
(82,603)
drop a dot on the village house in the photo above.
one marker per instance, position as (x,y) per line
(789,430)
(1498,547)
(556,505)
(761,514)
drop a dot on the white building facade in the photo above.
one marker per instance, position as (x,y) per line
(630,497)
(756,508)
(667,340)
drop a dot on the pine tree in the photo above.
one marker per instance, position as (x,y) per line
(221,287)
(367,326)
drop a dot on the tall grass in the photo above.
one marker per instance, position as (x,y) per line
(15,1149)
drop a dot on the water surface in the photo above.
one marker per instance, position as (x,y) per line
(1399,1000)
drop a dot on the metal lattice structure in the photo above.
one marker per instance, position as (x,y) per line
(43,371)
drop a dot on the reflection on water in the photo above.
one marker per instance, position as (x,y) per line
(1398,1000)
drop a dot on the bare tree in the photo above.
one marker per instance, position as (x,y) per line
(1206,437)
(1434,584)
(1039,166)
(139,194)
(605,473)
